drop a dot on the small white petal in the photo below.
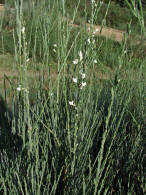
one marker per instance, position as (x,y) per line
(71,103)
(75,80)
(54,50)
(88,40)
(75,61)
(23,30)
(96,30)
(81,55)
(25,90)
(83,85)
(55,45)
(83,75)
(95,61)
(19,88)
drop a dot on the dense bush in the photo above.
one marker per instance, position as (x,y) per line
(63,153)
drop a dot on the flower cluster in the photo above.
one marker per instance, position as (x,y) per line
(24,47)
(83,76)
(20,88)
(54,47)
(76,61)
(91,38)
(78,80)
(93,3)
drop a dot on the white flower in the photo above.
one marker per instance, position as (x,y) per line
(75,61)
(23,30)
(96,30)
(83,75)
(55,45)
(28,60)
(19,88)
(54,50)
(88,40)
(95,4)
(25,90)
(81,55)
(95,61)
(71,103)
(83,85)
(75,80)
